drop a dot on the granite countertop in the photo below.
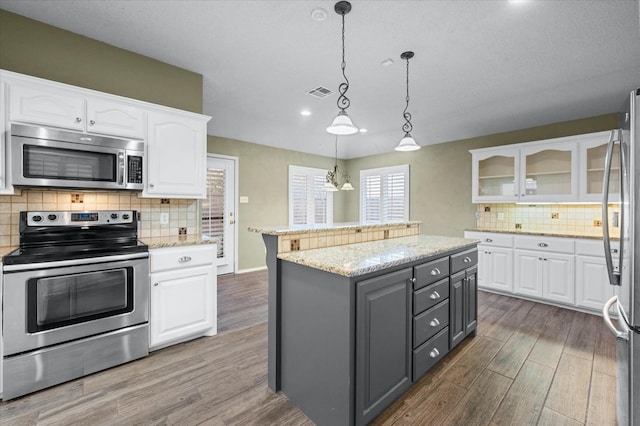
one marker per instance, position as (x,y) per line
(298,229)
(361,258)
(545,234)
(177,241)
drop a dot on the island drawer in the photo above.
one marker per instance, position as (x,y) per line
(430,322)
(464,260)
(431,295)
(431,272)
(427,355)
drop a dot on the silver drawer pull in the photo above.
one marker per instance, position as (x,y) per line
(435,295)
(467,259)
(434,353)
(434,322)
(435,271)
(614,250)
(184,259)
(543,245)
(488,240)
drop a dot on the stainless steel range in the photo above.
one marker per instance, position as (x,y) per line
(76,298)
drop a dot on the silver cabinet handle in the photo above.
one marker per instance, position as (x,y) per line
(435,295)
(434,353)
(488,240)
(155,284)
(434,322)
(614,250)
(78,119)
(92,122)
(414,280)
(543,245)
(184,259)
(435,271)
(150,185)
(466,259)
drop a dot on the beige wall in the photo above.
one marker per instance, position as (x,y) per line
(263,177)
(440,182)
(33,48)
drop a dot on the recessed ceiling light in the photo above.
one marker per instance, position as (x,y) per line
(362,130)
(386,62)
(318,14)
(305,112)
(518,1)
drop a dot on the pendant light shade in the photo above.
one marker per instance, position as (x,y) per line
(407,143)
(347,187)
(342,124)
(331,180)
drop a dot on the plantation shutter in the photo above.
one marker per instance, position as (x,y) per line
(212,208)
(309,204)
(384,194)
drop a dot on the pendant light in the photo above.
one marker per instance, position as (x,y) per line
(342,124)
(331,180)
(407,143)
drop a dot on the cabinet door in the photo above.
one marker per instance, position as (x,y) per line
(500,274)
(549,172)
(494,176)
(176,157)
(471,301)
(593,151)
(183,304)
(111,118)
(528,273)
(456,309)
(41,105)
(484,266)
(383,342)
(592,283)
(558,277)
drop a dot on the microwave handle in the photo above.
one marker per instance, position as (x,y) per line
(121,158)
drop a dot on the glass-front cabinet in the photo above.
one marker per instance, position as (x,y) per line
(495,175)
(593,151)
(562,170)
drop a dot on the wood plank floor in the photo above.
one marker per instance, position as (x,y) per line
(530,364)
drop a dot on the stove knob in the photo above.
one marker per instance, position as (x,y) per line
(114,215)
(52,217)
(125,216)
(36,218)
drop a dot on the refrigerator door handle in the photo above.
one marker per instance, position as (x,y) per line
(607,318)
(614,276)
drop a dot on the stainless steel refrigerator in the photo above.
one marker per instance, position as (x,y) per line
(624,266)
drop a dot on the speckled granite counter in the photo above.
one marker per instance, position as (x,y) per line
(546,234)
(359,259)
(177,241)
(300,229)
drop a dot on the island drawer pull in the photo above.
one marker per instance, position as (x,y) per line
(488,240)
(434,353)
(435,295)
(435,271)
(467,259)
(434,322)
(184,259)
(543,245)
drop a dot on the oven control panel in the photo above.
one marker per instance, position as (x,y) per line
(92,218)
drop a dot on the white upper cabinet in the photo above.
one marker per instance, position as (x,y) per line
(176,156)
(41,105)
(111,118)
(568,169)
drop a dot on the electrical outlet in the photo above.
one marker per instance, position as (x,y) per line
(555,215)
(597,223)
(164,218)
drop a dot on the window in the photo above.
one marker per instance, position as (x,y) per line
(309,204)
(384,194)
(212,209)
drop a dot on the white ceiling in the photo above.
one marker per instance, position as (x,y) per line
(480,67)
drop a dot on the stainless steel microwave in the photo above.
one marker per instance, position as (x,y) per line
(55,158)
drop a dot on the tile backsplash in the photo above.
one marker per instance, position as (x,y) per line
(569,219)
(182,213)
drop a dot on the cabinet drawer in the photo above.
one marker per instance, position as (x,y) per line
(163,259)
(595,247)
(464,260)
(489,239)
(558,245)
(430,322)
(427,355)
(431,272)
(431,295)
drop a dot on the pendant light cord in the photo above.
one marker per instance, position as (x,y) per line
(407,127)
(343,102)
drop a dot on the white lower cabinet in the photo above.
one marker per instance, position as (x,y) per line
(528,273)
(183,294)
(495,260)
(592,282)
(558,278)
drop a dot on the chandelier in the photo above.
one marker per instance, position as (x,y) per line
(331,180)
(342,124)
(407,143)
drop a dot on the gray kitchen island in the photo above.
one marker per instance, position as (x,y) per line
(355,325)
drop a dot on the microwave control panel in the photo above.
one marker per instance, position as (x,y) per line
(134,169)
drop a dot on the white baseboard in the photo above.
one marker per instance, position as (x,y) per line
(244,271)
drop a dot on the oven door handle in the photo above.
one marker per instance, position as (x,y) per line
(74,262)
